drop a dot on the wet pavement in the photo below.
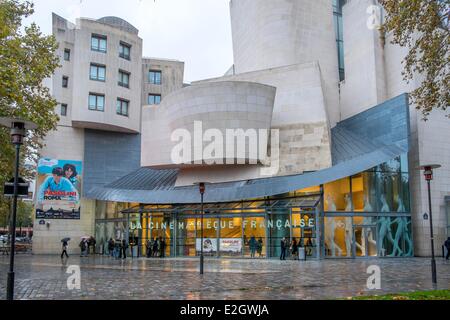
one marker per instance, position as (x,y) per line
(45,277)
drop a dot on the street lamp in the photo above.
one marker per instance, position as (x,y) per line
(201,189)
(428,173)
(18,132)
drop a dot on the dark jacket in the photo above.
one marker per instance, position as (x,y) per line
(447,243)
(283,244)
(111,244)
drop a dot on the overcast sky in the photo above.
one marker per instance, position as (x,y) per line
(197,32)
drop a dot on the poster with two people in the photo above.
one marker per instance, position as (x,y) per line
(58,189)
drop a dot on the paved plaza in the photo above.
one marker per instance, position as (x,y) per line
(45,277)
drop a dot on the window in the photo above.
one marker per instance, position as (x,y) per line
(98,43)
(124,79)
(154,77)
(124,50)
(63,109)
(122,107)
(96,102)
(65,81)
(67,54)
(98,72)
(338,28)
(154,98)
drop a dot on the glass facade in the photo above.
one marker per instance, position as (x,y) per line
(364,215)
(369,214)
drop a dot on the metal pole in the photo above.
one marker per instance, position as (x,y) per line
(12,231)
(201,236)
(433,261)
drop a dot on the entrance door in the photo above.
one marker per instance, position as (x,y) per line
(364,241)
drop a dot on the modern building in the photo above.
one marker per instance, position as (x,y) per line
(308,136)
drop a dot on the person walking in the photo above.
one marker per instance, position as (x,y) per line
(447,245)
(283,249)
(162,247)
(124,248)
(294,249)
(111,247)
(155,247)
(118,249)
(83,247)
(149,248)
(252,244)
(92,243)
(260,246)
(64,249)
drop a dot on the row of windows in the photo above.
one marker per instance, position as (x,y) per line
(97,103)
(98,73)
(99,44)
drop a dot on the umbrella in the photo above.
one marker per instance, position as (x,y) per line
(85,237)
(65,239)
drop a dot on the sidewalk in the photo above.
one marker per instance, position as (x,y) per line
(45,277)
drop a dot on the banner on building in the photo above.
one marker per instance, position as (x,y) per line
(230,244)
(58,189)
(209,245)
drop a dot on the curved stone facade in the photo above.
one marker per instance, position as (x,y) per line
(276,33)
(219,106)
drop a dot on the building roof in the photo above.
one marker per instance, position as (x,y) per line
(359,143)
(119,23)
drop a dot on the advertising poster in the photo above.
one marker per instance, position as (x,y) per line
(230,244)
(58,189)
(209,245)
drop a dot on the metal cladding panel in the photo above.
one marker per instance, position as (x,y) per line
(359,143)
(108,156)
(384,125)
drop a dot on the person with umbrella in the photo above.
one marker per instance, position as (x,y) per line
(64,247)
(83,246)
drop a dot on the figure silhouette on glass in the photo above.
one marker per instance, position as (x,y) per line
(330,228)
(402,229)
(366,232)
(384,227)
(348,226)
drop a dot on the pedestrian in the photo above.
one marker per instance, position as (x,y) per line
(117,249)
(283,249)
(155,247)
(447,245)
(83,247)
(149,248)
(162,247)
(124,248)
(64,249)
(93,243)
(260,246)
(294,249)
(252,244)
(111,247)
